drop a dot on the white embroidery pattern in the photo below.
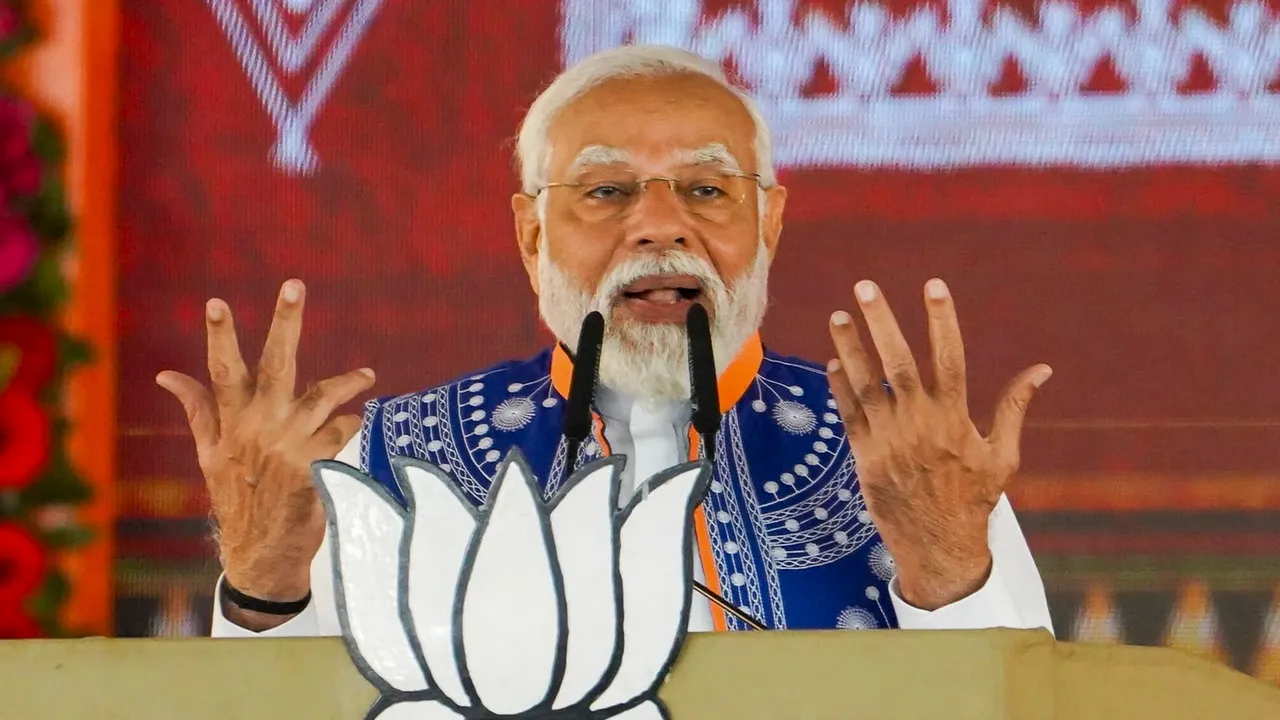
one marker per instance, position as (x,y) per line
(1054,122)
(726,505)
(293,153)
(855,618)
(450,426)
(873,594)
(422,426)
(366,432)
(813,513)
(513,413)
(794,417)
(882,563)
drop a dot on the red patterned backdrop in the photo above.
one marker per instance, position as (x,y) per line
(1126,234)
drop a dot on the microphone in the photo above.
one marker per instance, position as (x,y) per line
(582,387)
(702,379)
(705,397)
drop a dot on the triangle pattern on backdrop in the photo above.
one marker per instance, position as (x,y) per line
(1098,620)
(1193,625)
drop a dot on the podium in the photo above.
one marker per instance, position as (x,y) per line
(830,675)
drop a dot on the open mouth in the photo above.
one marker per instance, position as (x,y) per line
(664,289)
(661,298)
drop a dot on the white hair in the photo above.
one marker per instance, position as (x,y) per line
(533,148)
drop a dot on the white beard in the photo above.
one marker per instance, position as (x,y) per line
(651,360)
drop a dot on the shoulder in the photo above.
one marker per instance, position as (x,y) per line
(464,426)
(786,368)
(795,394)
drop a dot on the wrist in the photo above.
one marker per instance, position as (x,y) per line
(941,581)
(257,614)
(271,587)
(253,621)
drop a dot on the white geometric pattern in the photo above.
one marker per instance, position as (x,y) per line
(292,117)
(805,527)
(1055,121)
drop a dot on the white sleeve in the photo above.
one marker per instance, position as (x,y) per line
(1013,596)
(320,617)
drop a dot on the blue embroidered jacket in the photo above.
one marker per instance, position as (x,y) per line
(790,537)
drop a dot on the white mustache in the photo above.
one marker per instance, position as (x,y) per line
(670,263)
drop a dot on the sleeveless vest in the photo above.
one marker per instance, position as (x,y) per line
(784,532)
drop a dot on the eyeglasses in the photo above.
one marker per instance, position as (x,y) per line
(604,196)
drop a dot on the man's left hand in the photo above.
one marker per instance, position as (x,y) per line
(929,477)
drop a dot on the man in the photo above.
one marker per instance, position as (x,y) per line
(647,185)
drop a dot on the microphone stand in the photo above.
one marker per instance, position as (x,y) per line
(705,417)
(724,605)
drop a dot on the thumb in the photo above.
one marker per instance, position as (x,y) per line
(197,402)
(1011,410)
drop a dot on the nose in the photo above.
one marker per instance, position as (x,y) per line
(658,221)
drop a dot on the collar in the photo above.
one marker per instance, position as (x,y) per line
(733,382)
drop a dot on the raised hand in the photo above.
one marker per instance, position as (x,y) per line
(255,442)
(929,477)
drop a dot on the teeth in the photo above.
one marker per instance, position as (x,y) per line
(662,296)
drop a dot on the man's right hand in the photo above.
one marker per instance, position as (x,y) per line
(255,441)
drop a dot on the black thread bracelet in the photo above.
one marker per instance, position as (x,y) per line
(258,605)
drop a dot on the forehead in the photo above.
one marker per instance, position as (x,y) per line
(654,120)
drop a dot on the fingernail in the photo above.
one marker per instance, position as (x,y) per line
(366,371)
(213,309)
(833,365)
(935,289)
(290,292)
(160,379)
(865,290)
(841,317)
(1039,378)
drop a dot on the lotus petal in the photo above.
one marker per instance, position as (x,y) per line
(656,563)
(512,609)
(366,528)
(415,710)
(441,528)
(582,521)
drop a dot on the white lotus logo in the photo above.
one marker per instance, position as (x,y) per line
(568,609)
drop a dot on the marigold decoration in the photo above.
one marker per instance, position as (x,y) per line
(37,481)
(24,439)
(23,562)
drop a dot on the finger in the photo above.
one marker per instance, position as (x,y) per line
(946,343)
(333,436)
(895,356)
(278,368)
(863,380)
(198,403)
(1011,410)
(318,403)
(227,372)
(855,421)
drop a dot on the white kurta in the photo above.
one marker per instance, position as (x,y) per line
(651,435)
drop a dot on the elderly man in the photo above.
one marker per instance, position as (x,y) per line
(647,185)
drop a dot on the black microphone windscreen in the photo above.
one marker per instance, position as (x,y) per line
(702,372)
(582,386)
